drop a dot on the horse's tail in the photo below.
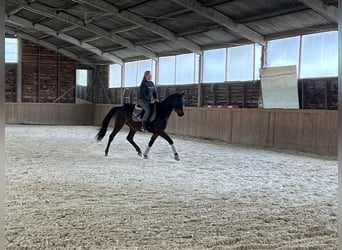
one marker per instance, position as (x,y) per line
(105,123)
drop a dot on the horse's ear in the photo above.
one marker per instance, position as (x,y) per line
(182,93)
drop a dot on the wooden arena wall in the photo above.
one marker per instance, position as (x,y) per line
(311,131)
(50,113)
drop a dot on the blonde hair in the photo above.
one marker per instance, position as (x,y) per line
(146,73)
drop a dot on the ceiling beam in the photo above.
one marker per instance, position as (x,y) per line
(161,31)
(68,28)
(51,46)
(227,22)
(329,11)
(89,39)
(125,29)
(143,23)
(304,31)
(15,10)
(133,4)
(277,13)
(63,16)
(28,24)
(51,13)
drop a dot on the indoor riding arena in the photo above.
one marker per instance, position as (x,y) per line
(252,163)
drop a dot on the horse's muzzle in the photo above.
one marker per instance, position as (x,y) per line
(180,113)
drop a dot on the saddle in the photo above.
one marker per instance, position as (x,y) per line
(139,112)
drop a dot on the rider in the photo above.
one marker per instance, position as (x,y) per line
(147,96)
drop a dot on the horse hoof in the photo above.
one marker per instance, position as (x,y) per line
(177,157)
(106,154)
(140,154)
(145,156)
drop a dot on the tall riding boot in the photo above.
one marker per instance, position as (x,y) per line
(143,126)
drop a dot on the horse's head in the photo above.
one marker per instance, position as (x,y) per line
(178,104)
(173,102)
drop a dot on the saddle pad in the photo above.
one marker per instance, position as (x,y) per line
(138,113)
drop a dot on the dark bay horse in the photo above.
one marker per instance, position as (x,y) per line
(123,115)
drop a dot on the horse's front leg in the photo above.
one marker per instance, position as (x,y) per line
(153,138)
(170,141)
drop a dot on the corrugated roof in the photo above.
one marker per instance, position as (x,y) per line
(141,29)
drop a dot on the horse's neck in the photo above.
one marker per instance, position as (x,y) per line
(165,108)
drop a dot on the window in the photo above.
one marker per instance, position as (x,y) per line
(283,52)
(131,74)
(214,65)
(186,68)
(11,50)
(167,70)
(319,55)
(82,77)
(180,69)
(144,65)
(134,71)
(114,76)
(240,63)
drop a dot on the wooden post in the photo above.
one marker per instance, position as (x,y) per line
(38,76)
(303,95)
(58,76)
(326,94)
(229,101)
(243,95)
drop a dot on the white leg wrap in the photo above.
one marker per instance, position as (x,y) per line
(147,150)
(173,149)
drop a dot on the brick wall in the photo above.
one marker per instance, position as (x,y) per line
(321,93)
(10,82)
(46,75)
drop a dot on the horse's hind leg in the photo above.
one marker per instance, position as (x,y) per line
(117,127)
(131,141)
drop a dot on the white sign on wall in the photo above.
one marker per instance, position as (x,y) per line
(279,87)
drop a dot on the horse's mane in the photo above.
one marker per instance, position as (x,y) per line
(171,96)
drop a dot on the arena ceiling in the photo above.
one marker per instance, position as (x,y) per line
(117,31)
